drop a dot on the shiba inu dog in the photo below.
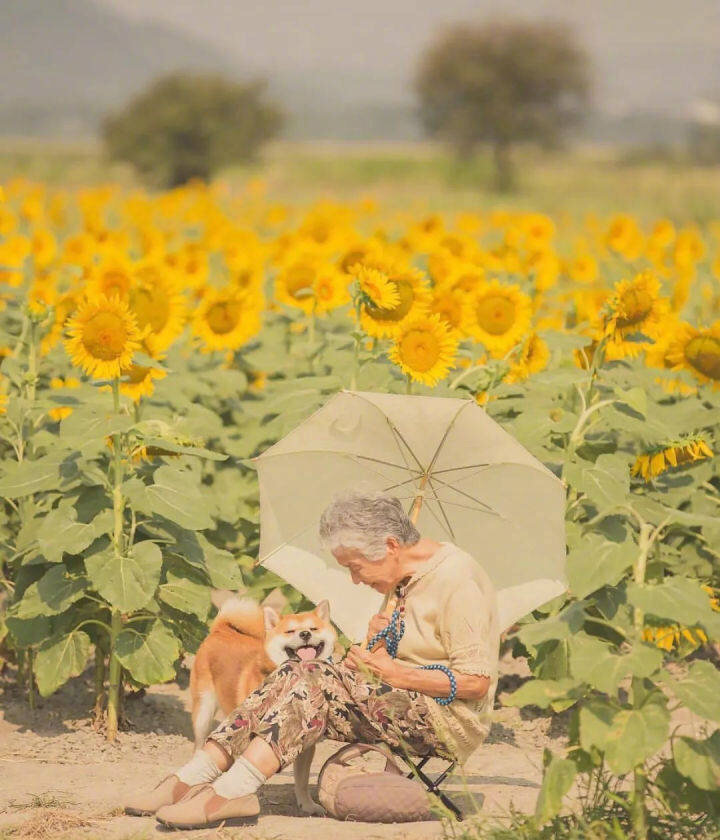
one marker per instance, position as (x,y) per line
(247,642)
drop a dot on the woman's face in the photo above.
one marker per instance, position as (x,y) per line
(379,574)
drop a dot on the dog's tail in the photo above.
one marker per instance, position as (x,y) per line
(242,615)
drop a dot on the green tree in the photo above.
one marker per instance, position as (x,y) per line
(501,82)
(188,126)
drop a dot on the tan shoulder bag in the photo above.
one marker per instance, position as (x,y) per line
(349,789)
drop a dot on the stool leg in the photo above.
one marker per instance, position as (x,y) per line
(433,786)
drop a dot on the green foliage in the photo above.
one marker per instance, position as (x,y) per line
(186,127)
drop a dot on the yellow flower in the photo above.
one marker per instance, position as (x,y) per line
(424,348)
(670,454)
(636,306)
(330,288)
(158,305)
(499,315)
(413,299)
(697,350)
(226,319)
(103,336)
(376,286)
(534,356)
(140,380)
(294,281)
(450,306)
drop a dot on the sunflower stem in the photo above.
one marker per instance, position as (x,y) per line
(113,697)
(408,384)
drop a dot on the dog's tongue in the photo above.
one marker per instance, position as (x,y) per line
(306,652)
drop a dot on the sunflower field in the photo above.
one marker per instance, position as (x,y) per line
(151,344)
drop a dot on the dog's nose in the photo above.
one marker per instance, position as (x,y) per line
(305,635)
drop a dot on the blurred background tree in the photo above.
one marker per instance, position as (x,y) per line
(502,82)
(189,126)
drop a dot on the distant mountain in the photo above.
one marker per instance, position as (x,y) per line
(63,63)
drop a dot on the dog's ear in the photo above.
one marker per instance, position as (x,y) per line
(323,610)
(271,618)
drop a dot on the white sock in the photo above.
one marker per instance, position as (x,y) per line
(200,768)
(242,778)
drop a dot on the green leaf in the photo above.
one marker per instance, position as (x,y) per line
(606,482)
(127,583)
(186,595)
(176,448)
(52,594)
(149,657)
(595,718)
(699,760)
(540,693)
(593,662)
(699,690)
(560,626)
(59,659)
(60,532)
(678,599)
(557,780)
(596,562)
(23,478)
(636,398)
(223,569)
(636,734)
(27,631)
(175,496)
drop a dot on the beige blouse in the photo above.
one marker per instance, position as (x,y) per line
(451,618)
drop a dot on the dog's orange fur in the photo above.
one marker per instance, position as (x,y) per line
(231,661)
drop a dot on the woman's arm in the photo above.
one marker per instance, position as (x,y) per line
(432,683)
(437,684)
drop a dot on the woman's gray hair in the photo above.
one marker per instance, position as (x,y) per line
(364,521)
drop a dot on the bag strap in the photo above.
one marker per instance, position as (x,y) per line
(350,751)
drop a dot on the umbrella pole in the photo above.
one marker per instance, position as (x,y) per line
(414,513)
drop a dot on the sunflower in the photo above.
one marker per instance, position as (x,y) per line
(294,281)
(667,637)
(450,306)
(226,319)
(376,287)
(670,454)
(112,277)
(534,356)
(158,305)
(103,336)
(140,380)
(424,348)
(697,350)
(499,316)
(330,288)
(414,299)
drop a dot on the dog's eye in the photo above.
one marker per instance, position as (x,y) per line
(289,632)
(314,629)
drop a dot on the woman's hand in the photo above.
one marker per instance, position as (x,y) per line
(377,623)
(379,663)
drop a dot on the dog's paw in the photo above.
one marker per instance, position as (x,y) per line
(311,809)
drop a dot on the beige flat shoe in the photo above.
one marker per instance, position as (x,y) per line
(206,809)
(166,792)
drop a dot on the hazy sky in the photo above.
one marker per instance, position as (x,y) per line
(642,46)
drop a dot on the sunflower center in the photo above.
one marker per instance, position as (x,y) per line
(635,306)
(406,293)
(419,350)
(324,290)
(495,314)
(136,374)
(703,353)
(104,336)
(151,306)
(223,316)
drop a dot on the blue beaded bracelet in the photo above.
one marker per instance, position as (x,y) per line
(444,701)
(391,635)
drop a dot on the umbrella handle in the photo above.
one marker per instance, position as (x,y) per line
(388,611)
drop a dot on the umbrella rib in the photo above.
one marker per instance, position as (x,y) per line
(466,467)
(446,433)
(334,452)
(463,493)
(488,510)
(399,435)
(442,509)
(447,527)
(277,548)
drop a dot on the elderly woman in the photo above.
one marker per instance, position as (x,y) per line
(396,693)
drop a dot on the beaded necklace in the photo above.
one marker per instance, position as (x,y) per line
(393,632)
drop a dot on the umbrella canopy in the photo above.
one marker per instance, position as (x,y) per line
(479,488)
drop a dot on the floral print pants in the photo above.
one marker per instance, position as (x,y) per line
(301,702)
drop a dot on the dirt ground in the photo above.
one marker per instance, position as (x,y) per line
(60,778)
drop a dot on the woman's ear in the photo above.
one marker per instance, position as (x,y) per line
(271,618)
(323,610)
